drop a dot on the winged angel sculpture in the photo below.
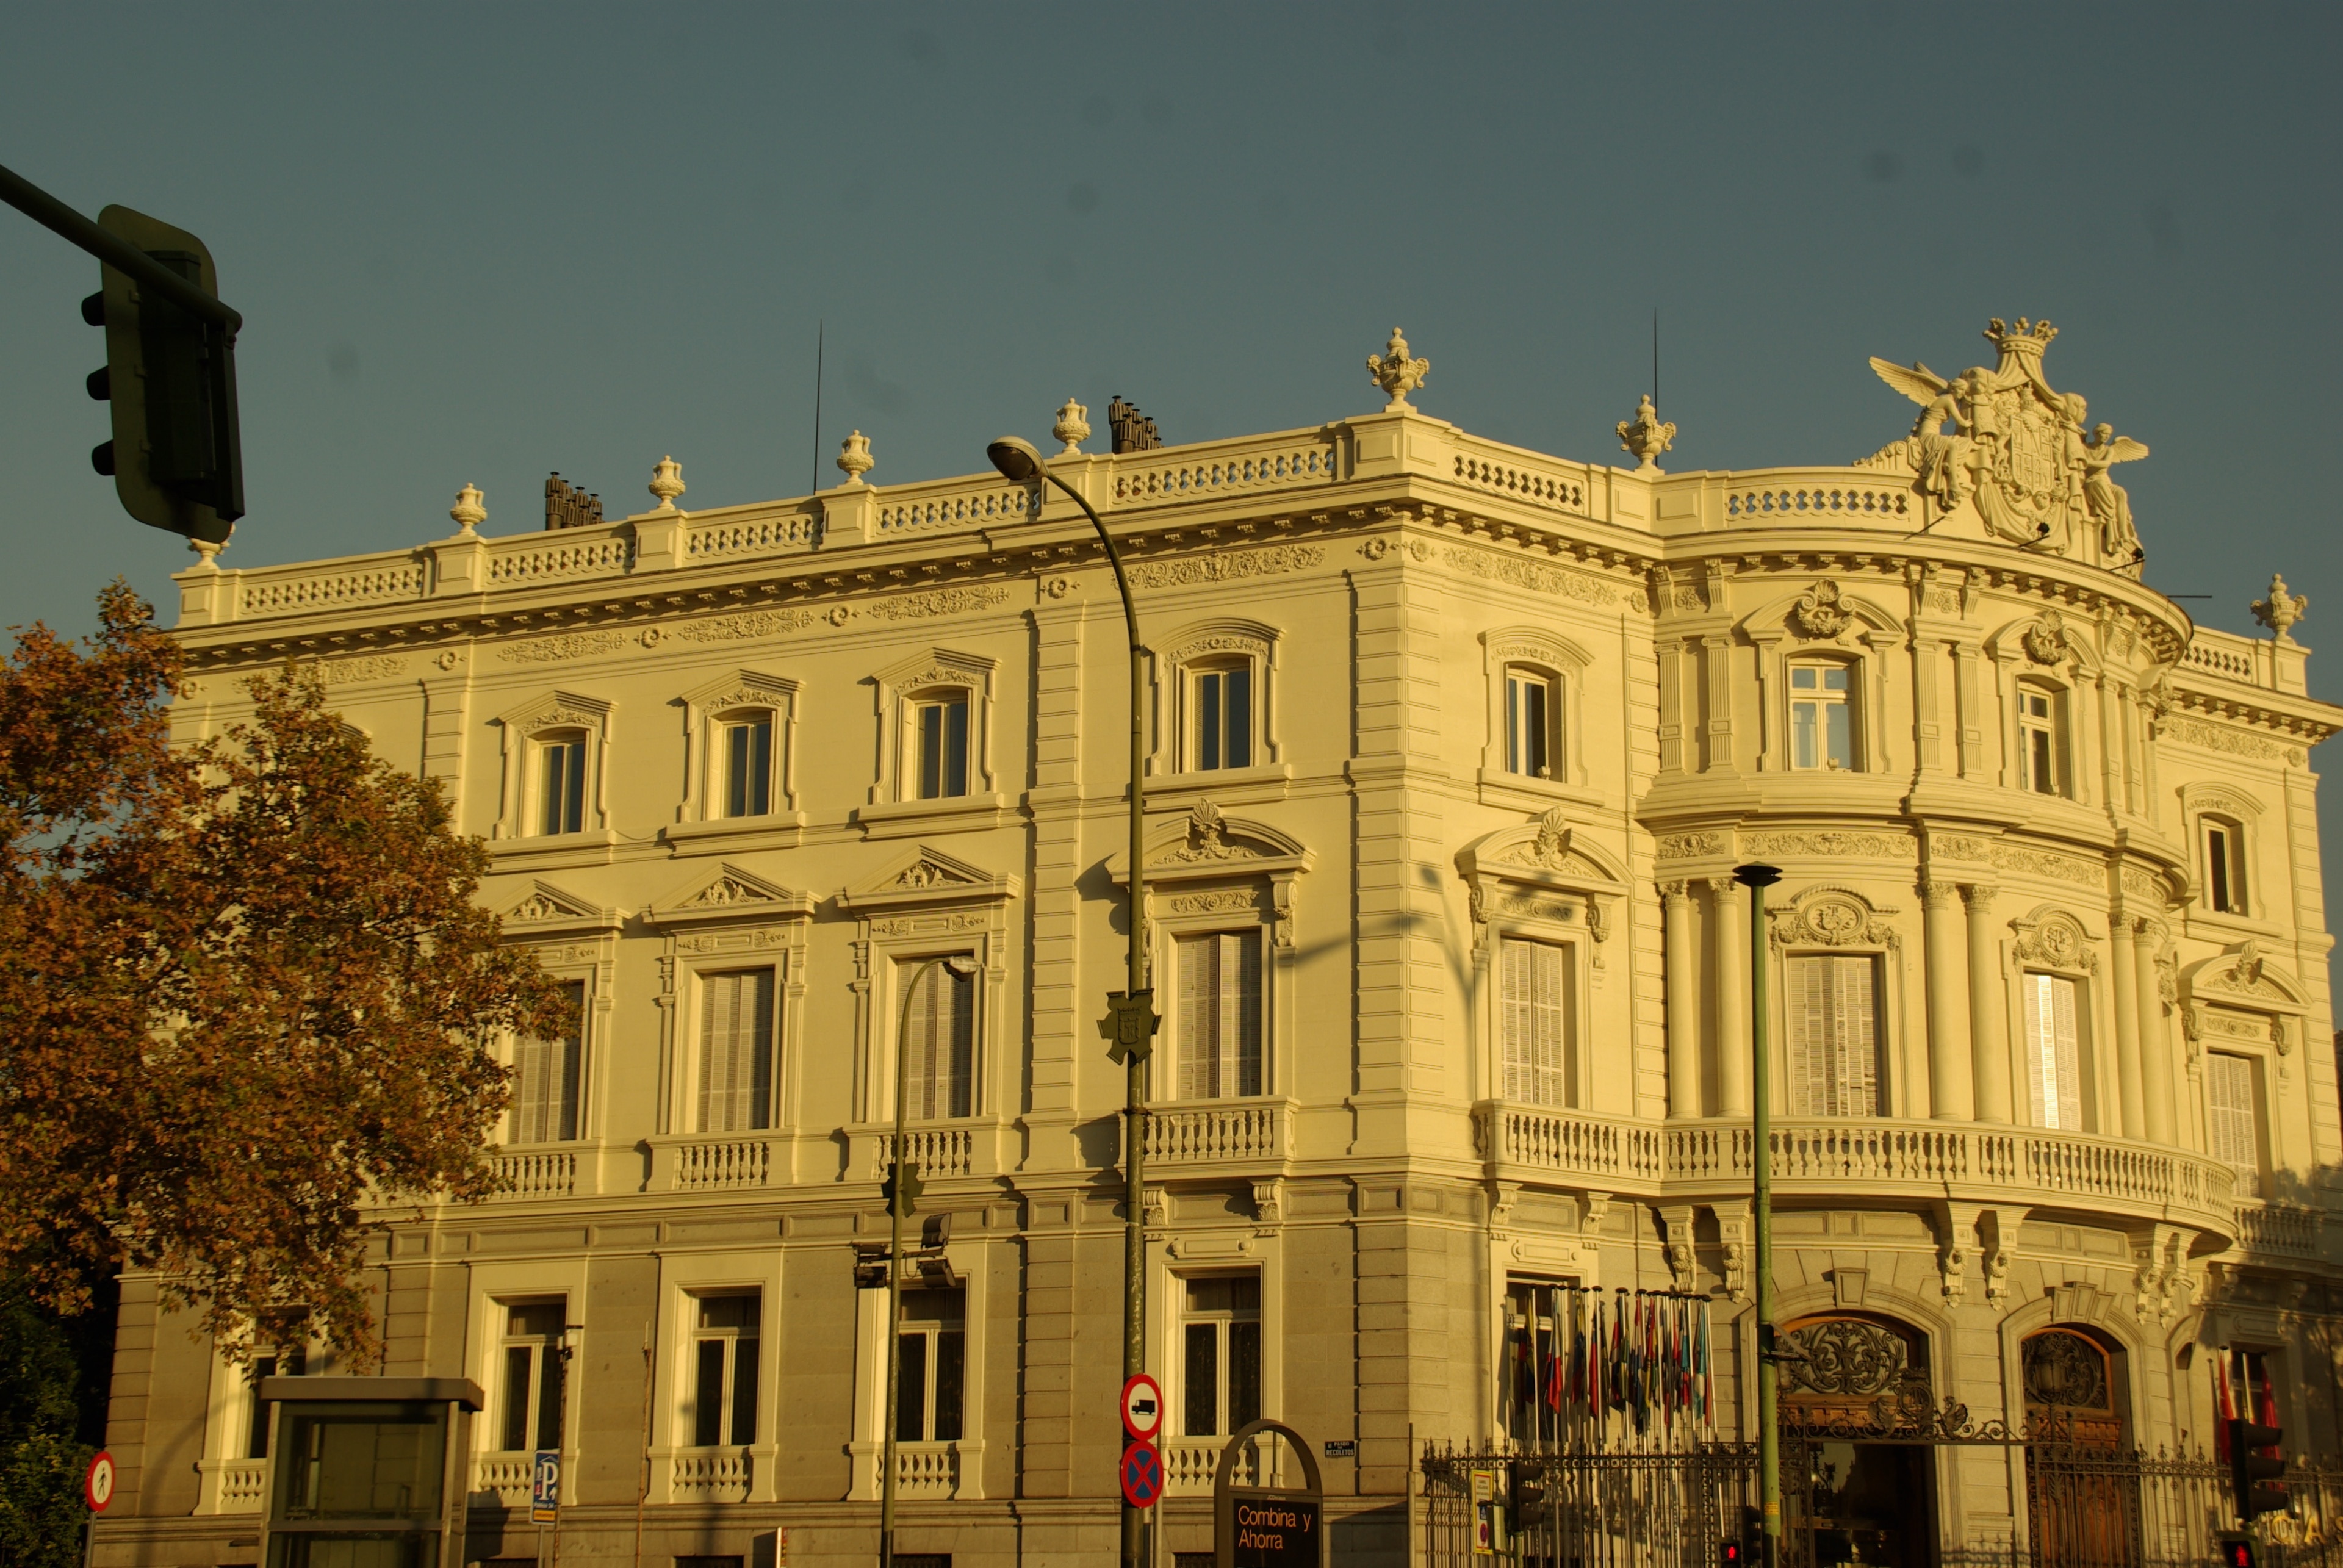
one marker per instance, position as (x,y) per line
(2022,452)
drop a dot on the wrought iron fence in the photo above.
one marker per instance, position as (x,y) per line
(2076,1504)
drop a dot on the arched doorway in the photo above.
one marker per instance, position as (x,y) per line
(2081,1508)
(1856,1400)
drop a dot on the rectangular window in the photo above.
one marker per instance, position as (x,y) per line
(1822,730)
(2054,1074)
(2224,882)
(2233,1120)
(1219,1015)
(562,786)
(736,1052)
(724,1371)
(545,1078)
(939,1014)
(293,1363)
(928,1378)
(530,1397)
(1834,1035)
(749,767)
(1220,1354)
(1529,710)
(943,747)
(1224,718)
(1535,982)
(2038,742)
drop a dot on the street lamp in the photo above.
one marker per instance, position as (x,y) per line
(1757,879)
(1131,1018)
(903,1187)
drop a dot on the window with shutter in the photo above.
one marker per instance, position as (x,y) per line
(546,1077)
(939,1012)
(1218,1021)
(736,1052)
(1834,1035)
(2053,1077)
(1533,981)
(2233,1111)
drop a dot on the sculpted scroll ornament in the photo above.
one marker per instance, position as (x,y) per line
(2023,452)
(1205,840)
(1848,1358)
(1235,564)
(1818,612)
(1550,849)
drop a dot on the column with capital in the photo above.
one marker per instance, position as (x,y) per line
(2154,1039)
(1989,1052)
(2127,998)
(1951,1096)
(1730,901)
(1682,1000)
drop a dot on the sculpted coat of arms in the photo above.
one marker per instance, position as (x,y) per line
(2036,470)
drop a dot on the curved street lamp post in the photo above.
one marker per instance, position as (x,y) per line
(1130,1019)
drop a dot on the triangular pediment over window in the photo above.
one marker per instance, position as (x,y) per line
(1207,843)
(1522,866)
(543,910)
(728,895)
(927,876)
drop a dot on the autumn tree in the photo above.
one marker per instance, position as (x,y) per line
(249,1001)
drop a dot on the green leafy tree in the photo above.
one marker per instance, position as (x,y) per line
(42,1462)
(250,997)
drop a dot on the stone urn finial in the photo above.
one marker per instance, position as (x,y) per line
(1073,427)
(1645,437)
(468,512)
(207,550)
(666,482)
(1395,373)
(2282,609)
(854,458)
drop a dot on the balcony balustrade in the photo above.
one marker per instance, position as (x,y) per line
(231,1486)
(710,1475)
(1226,1132)
(717,1162)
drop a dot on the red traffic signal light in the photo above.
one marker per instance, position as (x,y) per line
(2236,1552)
(2253,1473)
(1728,1554)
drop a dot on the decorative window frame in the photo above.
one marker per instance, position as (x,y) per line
(574,939)
(725,920)
(1823,623)
(1539,882)
(2039,650)
(706,709)
(520,728)
(927,904)
(497,1286)
(2051,940)
(227,1423)
(1223,638)
(2233,808)
(684,1278)
(968,1262)
(1834,921)
(1564,663)
(1210,872)
(1179,1250)
(894,809)
(2248,1005)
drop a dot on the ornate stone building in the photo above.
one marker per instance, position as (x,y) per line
(1453,749)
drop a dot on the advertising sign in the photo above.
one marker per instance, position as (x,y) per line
(1268,1527)
(1277,1532)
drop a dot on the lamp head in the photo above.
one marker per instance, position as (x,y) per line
(1018,460)
(1756,876)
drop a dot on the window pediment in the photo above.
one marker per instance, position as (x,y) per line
(1833,918)
(927,876)
(1541,870)
(545,910)
(2051,939)
(2220,800)
(1822,612)
(728,895)
(1206,843)
(2243,978)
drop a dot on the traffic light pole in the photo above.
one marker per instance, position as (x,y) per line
(115,251)
(1757,879)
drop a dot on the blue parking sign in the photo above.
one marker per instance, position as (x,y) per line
(545,1488)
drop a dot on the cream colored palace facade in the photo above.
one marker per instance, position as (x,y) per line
(1453,749)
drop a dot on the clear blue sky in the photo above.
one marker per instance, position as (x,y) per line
(477,243)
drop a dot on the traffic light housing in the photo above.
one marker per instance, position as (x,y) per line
(1525,1496)
(1728,1554)
(902,1189)
(2253,1474)
(2236,1552)
(176,457)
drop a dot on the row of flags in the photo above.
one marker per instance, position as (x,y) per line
(2241,1392)
(1592,1365)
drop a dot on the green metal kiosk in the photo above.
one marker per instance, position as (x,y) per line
(367,1472)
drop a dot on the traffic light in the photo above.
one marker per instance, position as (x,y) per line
(176,457)
(901,1189)
(1728,1554)
(2252,1473)
(1525,1497)
(2236,1552)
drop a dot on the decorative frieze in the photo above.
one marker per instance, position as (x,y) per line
(1834,845)
(937,602)
(2046,863)
(569,645)
(1531,575)
(1227,566)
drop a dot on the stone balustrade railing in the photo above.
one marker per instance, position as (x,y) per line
(2282,1229)
(1197,1132)
(927,1469)
(1819,495)
(1550,483)
(230,1485)
(536,1173)
(505,1478)
(710,1475)
(2261,662)
(936,1150)
(2015,1164)
(716,1162)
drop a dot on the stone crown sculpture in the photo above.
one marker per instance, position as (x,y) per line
(1395,373)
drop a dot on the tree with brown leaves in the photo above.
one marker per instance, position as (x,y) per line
(248,1002)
